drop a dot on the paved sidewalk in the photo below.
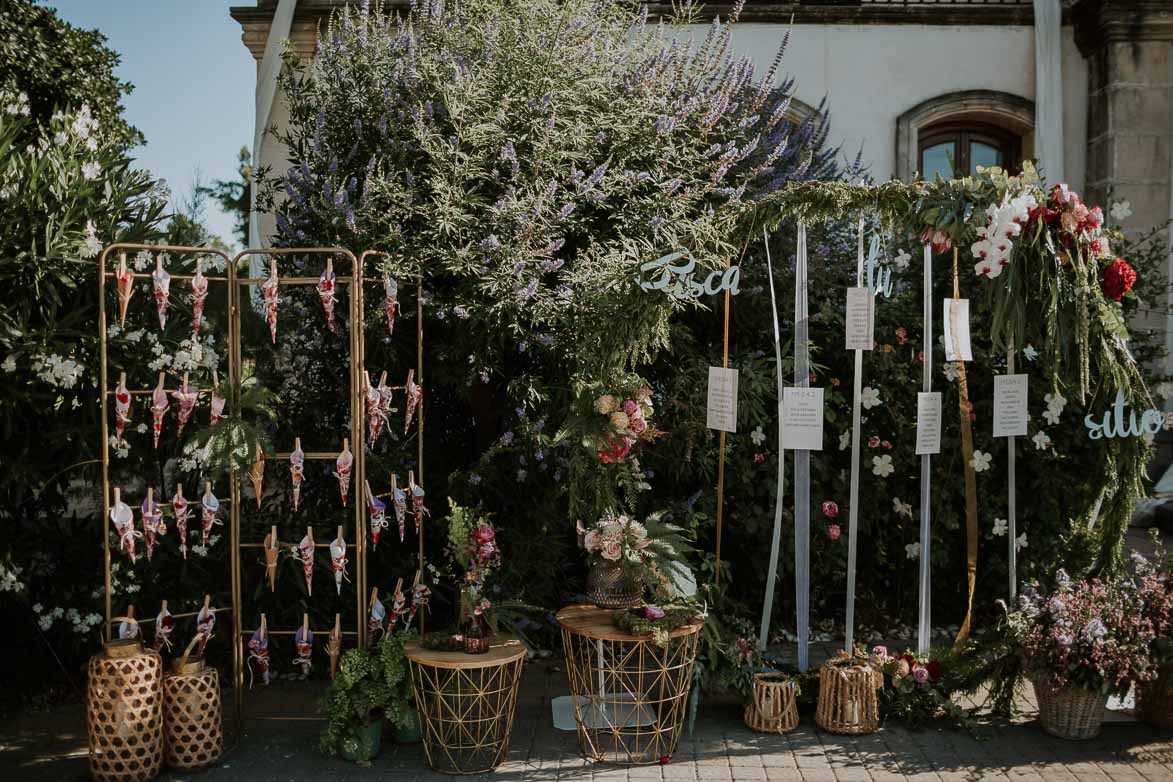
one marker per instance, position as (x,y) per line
(52,748)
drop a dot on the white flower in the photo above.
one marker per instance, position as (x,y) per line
(38,608)
(870,397)
(200,550)
(91,169)
(1168,421)
(1056,401)
(912,551)
(1030,352)
(901,508)
(1121,210)
(902,259)
(950,369)
(1051,415)
(1000,526)
(758,436)
(57,371)
(90,246)
(1041,440)
(9,364)
(882,466)
(1020,542)
(60,138)
(141,428)
(142,260)
(844,440)
(980,461)
(92,144)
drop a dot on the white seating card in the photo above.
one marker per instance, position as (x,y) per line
(802,419)
(722,401)
(1010,413)
(860,319)
(928,422)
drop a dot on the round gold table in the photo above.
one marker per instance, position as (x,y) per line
(466,703)
(630,695)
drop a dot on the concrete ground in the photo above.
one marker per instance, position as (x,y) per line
(52,747)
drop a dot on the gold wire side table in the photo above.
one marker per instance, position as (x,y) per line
(630,695)
(466,703)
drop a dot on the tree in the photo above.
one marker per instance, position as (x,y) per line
(59,66)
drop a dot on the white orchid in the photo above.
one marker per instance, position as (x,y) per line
(902,508)
(882,466)
(844,440)
(950,370)
(980,461)
(1121,210)
(1030,352)
(758,436)
(870,397)
(1020,542)
(1000,527)
(1041,440)
(902,260)
(912,551)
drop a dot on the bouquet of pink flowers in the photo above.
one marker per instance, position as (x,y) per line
(625,419)
(616,539)
(914,689)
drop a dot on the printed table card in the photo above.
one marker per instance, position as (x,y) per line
(957,309)
(802,419)
(928,422)
(1010,413)
(860,319)
(722,402)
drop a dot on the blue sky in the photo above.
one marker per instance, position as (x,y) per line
(183,56)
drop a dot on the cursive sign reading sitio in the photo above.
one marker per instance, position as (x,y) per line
(1114,424)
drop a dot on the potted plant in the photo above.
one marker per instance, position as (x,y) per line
(1080,644)
(626,555)
(1154,699)
(399,705)
(354,707)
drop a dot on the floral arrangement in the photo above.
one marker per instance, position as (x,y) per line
(624,421)
(656,620)
(473,543)
(915,689)
(1097,634)
(647,547)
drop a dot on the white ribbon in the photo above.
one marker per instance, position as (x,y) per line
(853,497)
(802,458)
(771,574)
(924,625)
(1012,510)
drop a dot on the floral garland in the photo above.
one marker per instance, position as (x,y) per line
(656,621)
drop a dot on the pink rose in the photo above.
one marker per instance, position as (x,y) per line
(485,534)
(833,532)
(486,550)
(1101,248)
(630,406)
(653,612)
(1060,194)
(830,509)
(1095,218)
(590,541)
(612,550)
(1080,211)
(880,651)
(638,425)
(874,441)
(920,673)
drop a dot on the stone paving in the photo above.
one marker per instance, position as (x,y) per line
(722,749)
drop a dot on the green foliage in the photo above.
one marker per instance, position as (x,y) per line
(231,443)
(635,621)
(358,691)
(400,706)
(59,66)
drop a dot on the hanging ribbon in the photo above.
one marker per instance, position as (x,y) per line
(971,530)
(853,496)
(802,458)
(1011,500)
(924,625)
(771,574)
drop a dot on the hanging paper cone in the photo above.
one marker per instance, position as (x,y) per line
(420,594)
(338,560)
(186,397)
(159,405)
(256,475)
(271,548)
(153,525)
(417,501)
(296,469)
(164,625)
(343,465)
(270,293)
(161,285)
(121,408)
(304,553)
(376,614)
(378,513)
(399,501)
(390,301)
(334,645)
(376,414)
(182,510)
(258,653)
(218,402)
(123,519)
(398,603)
(205,624)
(415,396)
(209,506)
(326,292)
(303,643)
(128,628)
(199,292)
(124,278)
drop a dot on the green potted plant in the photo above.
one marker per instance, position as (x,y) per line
(399,705)
(354,707)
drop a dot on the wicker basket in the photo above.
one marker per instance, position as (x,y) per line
(1154,700)
(191,714)
(848,702)
(1069,712)
(773,709)
(124,713)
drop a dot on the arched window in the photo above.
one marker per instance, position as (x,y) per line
(958,148)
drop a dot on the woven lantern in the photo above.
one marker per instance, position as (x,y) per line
(191,713)
(848,702)
(773,709)
(124,713)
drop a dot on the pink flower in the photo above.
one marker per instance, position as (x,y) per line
(1060,194)
(880,651)
(1080,211)
(590,541)
(874,441)
(486,550)
(1101,248)
(630,406)
(758,458)
(937,238)
(637,425)
(830,509)
(612,550)
(920,673)
(901,335)
(833,532)
(1095,218)
(484,534)
(887,446)
(653,612)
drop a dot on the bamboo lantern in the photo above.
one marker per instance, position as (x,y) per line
(773,709)
(124,713)
(848,702)
(191,713)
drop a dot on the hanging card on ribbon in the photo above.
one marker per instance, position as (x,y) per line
(722,400)
(928,423)
(802,419)
(1010,414)
(860,320)
(957,317)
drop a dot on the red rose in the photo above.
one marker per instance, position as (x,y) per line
(758,458)
(1118,279)
(830,509)
(934,670)
(833,531)
(614,450)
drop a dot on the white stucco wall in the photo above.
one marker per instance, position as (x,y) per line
(874,73)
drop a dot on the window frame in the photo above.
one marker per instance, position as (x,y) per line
(963,133)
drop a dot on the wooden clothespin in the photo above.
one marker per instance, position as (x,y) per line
(264,631)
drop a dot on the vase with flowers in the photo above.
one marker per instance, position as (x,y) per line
(473,543)
(626,556)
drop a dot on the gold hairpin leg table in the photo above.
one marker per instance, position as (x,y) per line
(630,695)
(466,703)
